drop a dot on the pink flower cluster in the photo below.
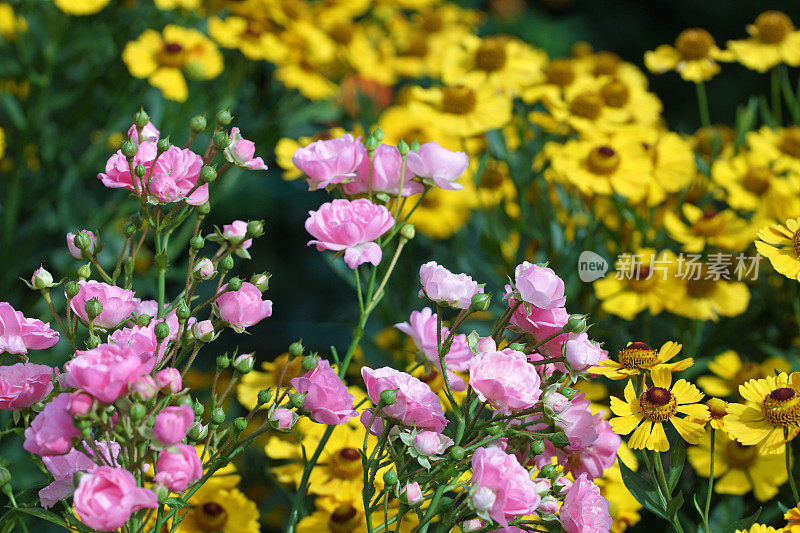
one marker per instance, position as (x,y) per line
(242,308)
(441,286)
(19,334)
(24,384)
(504,379)
(416,405)
(584,509)
(106,372)
(118,303)
(327,399)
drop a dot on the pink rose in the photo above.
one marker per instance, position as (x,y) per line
(76,252)
(106,497)
(505,379)
(282,419)
(438,166)
(539,286)
(445,288)
(145,388)
(204,331)
(416,404)
(51,432)
(542,324)
(64,467)
(169,380)
(503,486)
(204,269)
(329,162)
(556,402)
(118,303)
(412,494)
(172,423)
(594,459)
(106,372)
(429,443)
(350,226)
(175,175)
(577,423)
(80,404)
(421,327)
(243,308)
(145,307)
(241,152)
(178,470)
(118,172)
(235,233)
(19,334)
(327,398)
(149,133)
(581,353)
(385,176)
(548,505)
(584,509)
(24,384)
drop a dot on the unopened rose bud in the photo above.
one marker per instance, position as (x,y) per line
(163,145)
(217,416)
(161,330)
(42,279)
(457,453)
(221,140)
(255,228)
(264,396)
(93,342)
(282,419)
(169,380)
(548,471)
(224,117)
(204,208)
(568,393)
(141,118)
(411,494)
(309,363)
(483,499)
(204,269)
(577,323)
(183,312)
(559,439)
(388,396)
(162,492)
(390,477)
(298,399)
(472,525)
(197,243)
(480,301)
(537,447)
(85,272)
(198,431)
(371,144)
(414,145)
(408,231)
(198,408)
(378,134)
(234,284)
(129,229)
(139,170)
(403,147)
(93,308)
(145,388)
(80,404)
(197,123)
(555,402)
(129,149)
(226,263)
(82,240)
(261,281)
(239,424)
(71,289)
(223,362)
(208,174)
(143,320)
(138,411)
(203,331)
(243,363)
(296,348)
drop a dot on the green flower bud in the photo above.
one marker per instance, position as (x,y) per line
(403,147)
(243,363)
(221,140)
(198,431)
(139,170)
(239,424)
(163,145)
(161,330)
(143,320)
(223,361)
(197,123)
(93,342)
(82,240)
(129,229)
(85,271)
(197,243)
(296,348)
(234,284)
(208,174)
(138,411)
(388,397)
(559,439)
(141,118)
(261,281)
(408,231)
(5,476)
(162,492)
(298,399)
(480,301)
(378,134)
(371,144)
(204,208)
(226,264)
(217,416)
(457,453)
(548,471)
(198,408)
(568,393)
(129,149)
(224,117)
(577,323)
(42,279)
(72,288)
(93,308)
(493,430)
(183,399)
(255,228)
(537,447)
(414,145)
(309,363)
(264,396)
(390,477)
(182,311)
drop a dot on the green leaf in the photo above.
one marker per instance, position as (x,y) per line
(743,523)
(641,489)
(674,505)
(745,120)
(676,461)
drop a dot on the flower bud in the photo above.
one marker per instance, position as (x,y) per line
(217,416)
(129,149)
(138,411)
(221,140)
(183,312)
(296,348)
(71,289)
(282,419)
(208,174)
(243,363)
(480,301)
(472,525)
(537,447)
(162,492)
(85,272)
(403,147)
(141,118)
(183,399)
(264,396)
(568,393)
(483,499)
(378,134)
(93,342)
(42,279)
(129,229)
(239,424)
(390,477)
(408,231)
(163,145)
(309,363)
(548,471)
(234,284)
(577,323)
(204,208)
(169,380)
(226,263)
(261,281)
(298,399)
(80,404)
(93,308)
(197,243)
(223,361)
(388,396)
(204,269)
(161,330)
(204,331)
(411,494)
(371,144)
(198,431)
(414,145)
(144,388)
(139,170)
(5,476)
(143,320)
(224,117)
(517,347)
(82,240)
(197,123)
(457,453)
(559,439)
(255,229)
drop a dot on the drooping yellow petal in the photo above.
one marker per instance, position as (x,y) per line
(622,425)
(690,431)
(658,438)
(638,439)
(661,377)
(685,392)
(734,481)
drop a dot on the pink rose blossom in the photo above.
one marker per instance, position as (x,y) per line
(235,233)
(204,269)
(169,380)
(141,338)
(241,152)
(438,166)
(514,492)
(282,419)
(329,162)
(118,303)
(243,308)
(106,498)
(584,509)
(178,470)
(175,174)
(416,404)
(327,398)
(106,372)
(145,307)
(24,384)
(412,494)
(541,324)
(118,171)
(577,422)
(429,443)
(149,133)
(539,286)
(555,402)
(172,423)
(421,327)
(385,177)
(19,334)
(581,353)
(145,388)
(445,288)
(80,404)
(548,505)
(204,331)
(593,459)
(64,467)
(350,226)
(472,525)
(76,252)
(505,379)
(51,432)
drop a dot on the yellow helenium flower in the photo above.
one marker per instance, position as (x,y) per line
(336,516)
(771,406)
(175,4)
(709,227)
(738,468)
(164,58)
(559,75)
(222,510)
(773,40)
(441,213)
(655,406)
(638,356)
(494,186)
(792,517)
(80,7)
(694,56)
(461,111)
(760,528)
(604,63)
(10,24)
(730,371)
(698,295)
(254,38)
(752,183)
(781,245)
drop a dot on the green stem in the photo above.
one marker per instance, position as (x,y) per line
(775,85)
(710,482)
(702,103)
(665,492)
(788,454)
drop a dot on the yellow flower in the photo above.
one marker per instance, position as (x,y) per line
(441,213)
(164,59)
(773,40)
(605,63)
(175,4)
(251,383)
(656,405)
(700,292)
(221,510)
(709,227)
(781,245)
(460,111)
(760,528)
(81,7)
(335,516)
(694,56)
(717,409)
(253,37)
(730,371)
(792,516)
(494,186)
(714,141)
(738,468)
(11,25)
(638,356)
(398,122)
(559,75)
(771,406)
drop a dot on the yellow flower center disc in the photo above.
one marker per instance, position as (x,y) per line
(772,27)
(346,464)
(658,404)
(560,73)
(637,355)
(606,64)
(757,180)
(694,44)
(458,100)
(491,55)
(782,407)
(213,517)
(615,93)
(603,160)
(587,105)
(344,519)
(790,144)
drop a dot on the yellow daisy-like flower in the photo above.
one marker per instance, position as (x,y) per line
(494,186)
(781,245)
(730,371)
(164,58)
(773,40)
(398,122)
(80,7)
(251,383)
(178,4)
(604,63)
(714,141)
(559,75)
(792,517)
(336,516)
(255,38)
(694,56)
(645,416)
(738,468)
(221,510)
(441,213)
(2,143)
(461,111)
(760,528)
(638,356)
(709,227)
(771,406)
(703,295)
(11,24)
(717,409)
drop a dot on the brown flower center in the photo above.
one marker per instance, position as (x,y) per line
(710,224)
(172,55)
(342,33)
(603,160)
(782,407)
(694,43)
(212,517)
(491,54)
(710,139)
(741,456)
(560,73)
(346,463)
(796,242)
(658,404)
(757,180)
(459,100)
(344,519)
(606,64)
(582,49)
(587,105)
(615,93)
(432,23)
(700,288)
(790,143)
(637,355)
(418,46)
(492,178)
(772,27)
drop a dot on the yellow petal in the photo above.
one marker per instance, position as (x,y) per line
(661,377)
(658,438)
(685,392)
(690,431)
(639,437)
(623,425)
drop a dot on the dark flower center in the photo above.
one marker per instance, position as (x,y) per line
(772,27)
(491,55)
(560,73)
(694,43)
(587,105)
(459,100)
(603,160)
